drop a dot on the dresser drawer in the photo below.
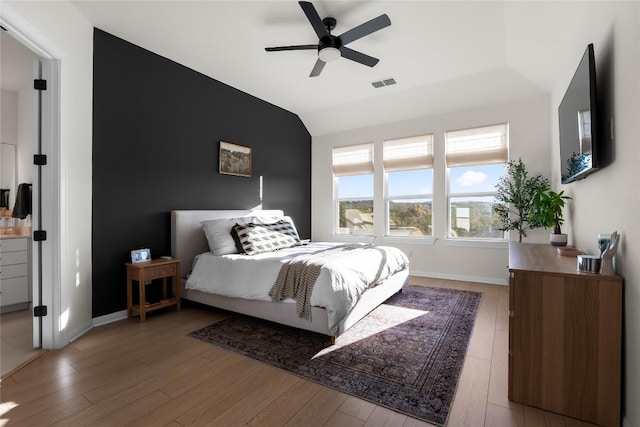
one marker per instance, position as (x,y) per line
(160,271)
(10,271)
(14,291)
(13,245)
(11,258)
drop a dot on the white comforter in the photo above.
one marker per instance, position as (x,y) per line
(337,289)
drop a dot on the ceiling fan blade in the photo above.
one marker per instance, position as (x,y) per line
(296,47)
(360,57)
(365,29)
(317,69)
(314,19)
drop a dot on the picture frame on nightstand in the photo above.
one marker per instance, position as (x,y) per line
(140,255)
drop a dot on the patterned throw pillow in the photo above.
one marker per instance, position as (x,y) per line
(273,219)
(253,239)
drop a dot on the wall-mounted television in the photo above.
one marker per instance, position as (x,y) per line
(577,115)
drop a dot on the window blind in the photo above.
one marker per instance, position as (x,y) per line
(483,145)
(408,153)
(353,160)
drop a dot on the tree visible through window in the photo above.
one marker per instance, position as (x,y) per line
(408,165)
(475,158)
(353,171)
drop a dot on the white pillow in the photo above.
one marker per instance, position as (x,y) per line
(218,233)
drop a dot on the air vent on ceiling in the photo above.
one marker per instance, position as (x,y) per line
(384,82)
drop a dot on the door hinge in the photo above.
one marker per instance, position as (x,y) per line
(39,311)
(40,159)
(39,235)
(40,84)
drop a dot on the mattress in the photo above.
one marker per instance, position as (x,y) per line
(337,289)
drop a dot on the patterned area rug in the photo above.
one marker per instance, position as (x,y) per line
(405,355)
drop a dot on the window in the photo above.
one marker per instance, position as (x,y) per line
(408,165)
(475,158)
(353,171)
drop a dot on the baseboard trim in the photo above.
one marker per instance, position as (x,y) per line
(15,307)
(476,279)
(109,318)
(80,331)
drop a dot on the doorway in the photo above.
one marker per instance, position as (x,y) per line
(21,130)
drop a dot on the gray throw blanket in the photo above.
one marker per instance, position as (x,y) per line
(298,276)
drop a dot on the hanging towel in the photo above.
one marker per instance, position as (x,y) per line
(4,198)
(22,208)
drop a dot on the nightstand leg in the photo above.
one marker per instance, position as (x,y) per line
(176,287)
(164,288)
(143,300)
(129,297)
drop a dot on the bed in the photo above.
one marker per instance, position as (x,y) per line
(190,245)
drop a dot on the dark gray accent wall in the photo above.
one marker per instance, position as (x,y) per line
(156,132)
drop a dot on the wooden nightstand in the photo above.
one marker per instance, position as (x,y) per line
(145,271)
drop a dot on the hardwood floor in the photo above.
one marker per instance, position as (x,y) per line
(131,373)
(16,340)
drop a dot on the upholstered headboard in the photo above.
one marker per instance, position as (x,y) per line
(187,236)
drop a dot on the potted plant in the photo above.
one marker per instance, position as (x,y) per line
(515,192)
(546,211)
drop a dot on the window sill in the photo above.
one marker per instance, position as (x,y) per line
(478,243)
(359,238)
(423,241)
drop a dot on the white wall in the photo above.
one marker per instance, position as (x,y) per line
(17,129)
(9,110)
(529,139)
(26,135)
(67,33)
(609,199)
(9,135)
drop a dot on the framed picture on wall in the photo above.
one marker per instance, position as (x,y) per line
(235,159)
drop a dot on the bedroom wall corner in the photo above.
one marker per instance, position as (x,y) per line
(59,29)
(608,199)
(529,139)
(157,127)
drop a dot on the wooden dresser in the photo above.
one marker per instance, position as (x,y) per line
(564,335)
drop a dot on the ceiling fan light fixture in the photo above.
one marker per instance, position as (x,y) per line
(330,47)
(329,54)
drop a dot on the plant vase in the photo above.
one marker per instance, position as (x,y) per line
(559,239)
(546,211)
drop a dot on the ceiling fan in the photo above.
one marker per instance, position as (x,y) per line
(331,47)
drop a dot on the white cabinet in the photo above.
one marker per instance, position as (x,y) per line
(15,286)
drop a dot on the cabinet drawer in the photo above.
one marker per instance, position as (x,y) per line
(11,258)
(13,245)
(10,271)
(14,291)
(160,271)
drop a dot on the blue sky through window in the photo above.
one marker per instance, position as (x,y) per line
(356,186)
(407,183)
(474,179)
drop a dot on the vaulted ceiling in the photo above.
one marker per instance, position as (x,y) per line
(445,55)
